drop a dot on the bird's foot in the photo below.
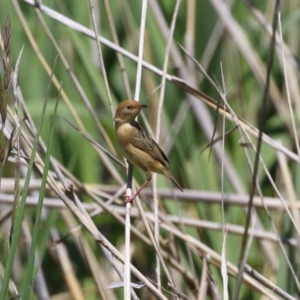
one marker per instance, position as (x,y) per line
(129,199)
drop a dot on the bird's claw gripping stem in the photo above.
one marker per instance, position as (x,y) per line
(129,199)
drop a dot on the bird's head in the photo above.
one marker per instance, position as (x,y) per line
(128,110)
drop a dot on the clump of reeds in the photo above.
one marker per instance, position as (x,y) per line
(5,79)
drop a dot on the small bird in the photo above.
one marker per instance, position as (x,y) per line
(136,146)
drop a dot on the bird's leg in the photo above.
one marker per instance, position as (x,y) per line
(131,198)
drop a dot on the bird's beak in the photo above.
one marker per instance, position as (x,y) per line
(143,106)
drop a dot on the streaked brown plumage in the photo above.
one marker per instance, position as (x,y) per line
(136,146)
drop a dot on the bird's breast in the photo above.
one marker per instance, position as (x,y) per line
(125,133)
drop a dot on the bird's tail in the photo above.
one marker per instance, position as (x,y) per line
(173,179)
(169,175)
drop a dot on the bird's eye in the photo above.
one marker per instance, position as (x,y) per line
(128,106)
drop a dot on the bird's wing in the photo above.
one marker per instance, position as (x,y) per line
(142,141)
